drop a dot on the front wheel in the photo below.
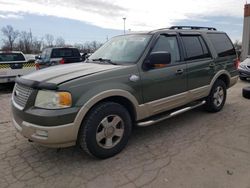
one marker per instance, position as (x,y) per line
(105,131)
(217,97)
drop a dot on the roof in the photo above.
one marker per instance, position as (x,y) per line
(181,29)
(11,52)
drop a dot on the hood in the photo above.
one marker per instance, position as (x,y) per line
(62,73)
(246,62)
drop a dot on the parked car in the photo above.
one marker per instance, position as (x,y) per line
(57,56)
(13,64)
(244,69)
(135,79)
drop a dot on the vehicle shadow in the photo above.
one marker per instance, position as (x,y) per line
(6,88)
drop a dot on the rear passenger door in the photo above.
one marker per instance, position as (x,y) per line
(199,61)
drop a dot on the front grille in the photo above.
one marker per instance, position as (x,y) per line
(21,95)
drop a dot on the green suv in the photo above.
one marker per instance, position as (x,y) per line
(137,79)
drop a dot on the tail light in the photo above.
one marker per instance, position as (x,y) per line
(37,66)
(61,61)
(237,63)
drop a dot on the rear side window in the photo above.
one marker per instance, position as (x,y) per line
(57,53)
(222,44)
(11,57)
(195,47)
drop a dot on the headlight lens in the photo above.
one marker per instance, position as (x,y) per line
(53,100)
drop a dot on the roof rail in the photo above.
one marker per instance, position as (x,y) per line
(193,27)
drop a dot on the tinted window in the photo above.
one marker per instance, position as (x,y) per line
(195,47)
(222,44)
(57,53)
(76,53)
(11,57)
(168,44)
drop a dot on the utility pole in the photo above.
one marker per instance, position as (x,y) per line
(124,20)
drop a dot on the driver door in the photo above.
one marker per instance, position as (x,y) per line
(165,87)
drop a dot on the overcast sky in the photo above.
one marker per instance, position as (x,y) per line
(140,14)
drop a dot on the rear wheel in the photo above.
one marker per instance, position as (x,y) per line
(217,97)
(106,130)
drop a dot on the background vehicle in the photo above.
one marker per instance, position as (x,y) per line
(57,56)
(244,69)
(135,79)
(13,64)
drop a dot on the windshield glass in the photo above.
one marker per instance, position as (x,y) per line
(122,49)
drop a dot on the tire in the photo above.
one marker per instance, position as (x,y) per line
(243,78)
(105,130)
(217,97)
(246,92)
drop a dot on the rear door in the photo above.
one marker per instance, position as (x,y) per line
(199,61)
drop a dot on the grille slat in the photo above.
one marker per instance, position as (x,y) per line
(21,94)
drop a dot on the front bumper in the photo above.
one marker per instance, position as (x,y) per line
(58,136)
(7,79)
(244,73)
(51,130)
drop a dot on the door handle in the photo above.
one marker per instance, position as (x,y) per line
(179,71)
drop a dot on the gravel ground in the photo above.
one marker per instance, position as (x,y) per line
(194,150)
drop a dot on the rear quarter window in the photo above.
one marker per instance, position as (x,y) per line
(222,44)
(11,57)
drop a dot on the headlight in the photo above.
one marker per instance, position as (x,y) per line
(53,99)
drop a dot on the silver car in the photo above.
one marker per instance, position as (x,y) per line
(244,69)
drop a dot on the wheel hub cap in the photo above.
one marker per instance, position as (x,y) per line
(110,131)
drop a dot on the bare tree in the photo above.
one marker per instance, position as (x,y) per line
(60,42)
(37,45)
(49,39)
(11,36)
(25,43)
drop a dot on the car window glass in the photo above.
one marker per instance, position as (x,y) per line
(222,44)
(168,44)
(123,49)
(57,53)
(195,47)
(11,57)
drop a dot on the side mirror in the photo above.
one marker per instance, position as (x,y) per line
(159,58)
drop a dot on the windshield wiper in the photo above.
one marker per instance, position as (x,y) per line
(104,60)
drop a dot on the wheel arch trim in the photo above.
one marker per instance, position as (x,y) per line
(139,110)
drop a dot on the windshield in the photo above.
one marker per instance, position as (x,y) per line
(122,49)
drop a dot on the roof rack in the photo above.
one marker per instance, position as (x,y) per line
(193,27)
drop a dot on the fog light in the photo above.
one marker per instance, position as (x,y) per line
(42,133)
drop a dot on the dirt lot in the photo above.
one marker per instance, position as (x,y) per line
(193,150)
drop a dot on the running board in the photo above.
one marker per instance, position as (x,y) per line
(167,116)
